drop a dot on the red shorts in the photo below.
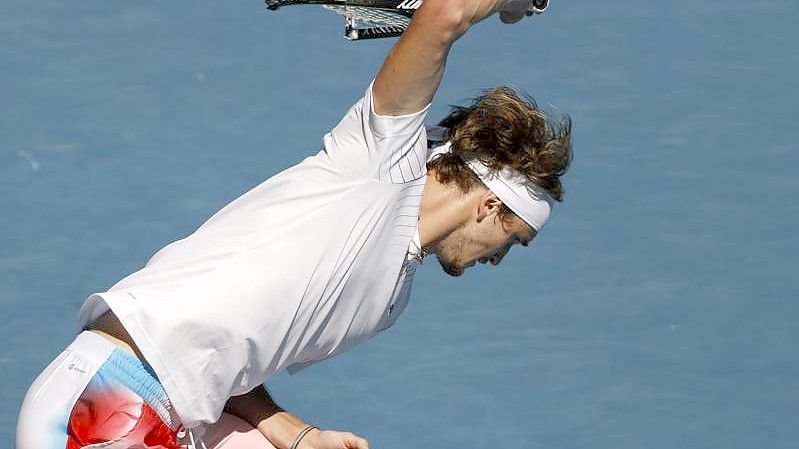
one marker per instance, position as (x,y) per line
(121,417)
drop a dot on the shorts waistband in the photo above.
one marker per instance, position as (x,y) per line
(92,347)
(128,370)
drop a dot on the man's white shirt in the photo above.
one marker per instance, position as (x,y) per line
(302,267)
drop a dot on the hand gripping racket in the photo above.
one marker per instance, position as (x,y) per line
(375,19)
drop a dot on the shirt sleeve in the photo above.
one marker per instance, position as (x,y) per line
(297,367)
(388,148)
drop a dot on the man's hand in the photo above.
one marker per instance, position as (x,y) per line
(510,11)
(514,10)
(331,439)
(282,428)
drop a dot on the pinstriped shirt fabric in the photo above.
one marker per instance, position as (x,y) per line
(302,267)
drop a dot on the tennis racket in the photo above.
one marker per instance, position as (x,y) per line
(375,19)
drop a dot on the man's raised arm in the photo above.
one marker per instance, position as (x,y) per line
(414,67)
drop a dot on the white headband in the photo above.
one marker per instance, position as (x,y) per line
(524,197)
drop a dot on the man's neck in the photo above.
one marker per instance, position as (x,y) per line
(444,207)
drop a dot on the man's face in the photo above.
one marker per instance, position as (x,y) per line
(485,239)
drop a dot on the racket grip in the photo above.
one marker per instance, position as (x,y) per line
(537,7)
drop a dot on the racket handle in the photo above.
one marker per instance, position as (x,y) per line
(537,7)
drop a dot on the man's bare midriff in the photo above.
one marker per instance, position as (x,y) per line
(108,326)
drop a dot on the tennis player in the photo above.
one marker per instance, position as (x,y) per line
(304,266)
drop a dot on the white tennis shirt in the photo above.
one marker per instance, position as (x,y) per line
(302,267)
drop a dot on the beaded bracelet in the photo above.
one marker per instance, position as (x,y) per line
(302,435)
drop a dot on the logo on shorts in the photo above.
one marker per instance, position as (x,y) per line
(72,367)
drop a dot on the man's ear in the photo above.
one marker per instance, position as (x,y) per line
(488,204)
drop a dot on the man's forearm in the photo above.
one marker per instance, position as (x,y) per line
(259,409)
(415,65)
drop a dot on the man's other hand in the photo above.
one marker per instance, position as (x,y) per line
(331,439)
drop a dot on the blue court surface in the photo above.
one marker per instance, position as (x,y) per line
(657,310)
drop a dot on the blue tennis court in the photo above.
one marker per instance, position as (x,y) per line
(657,309)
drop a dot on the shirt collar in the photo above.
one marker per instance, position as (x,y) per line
(415,248)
